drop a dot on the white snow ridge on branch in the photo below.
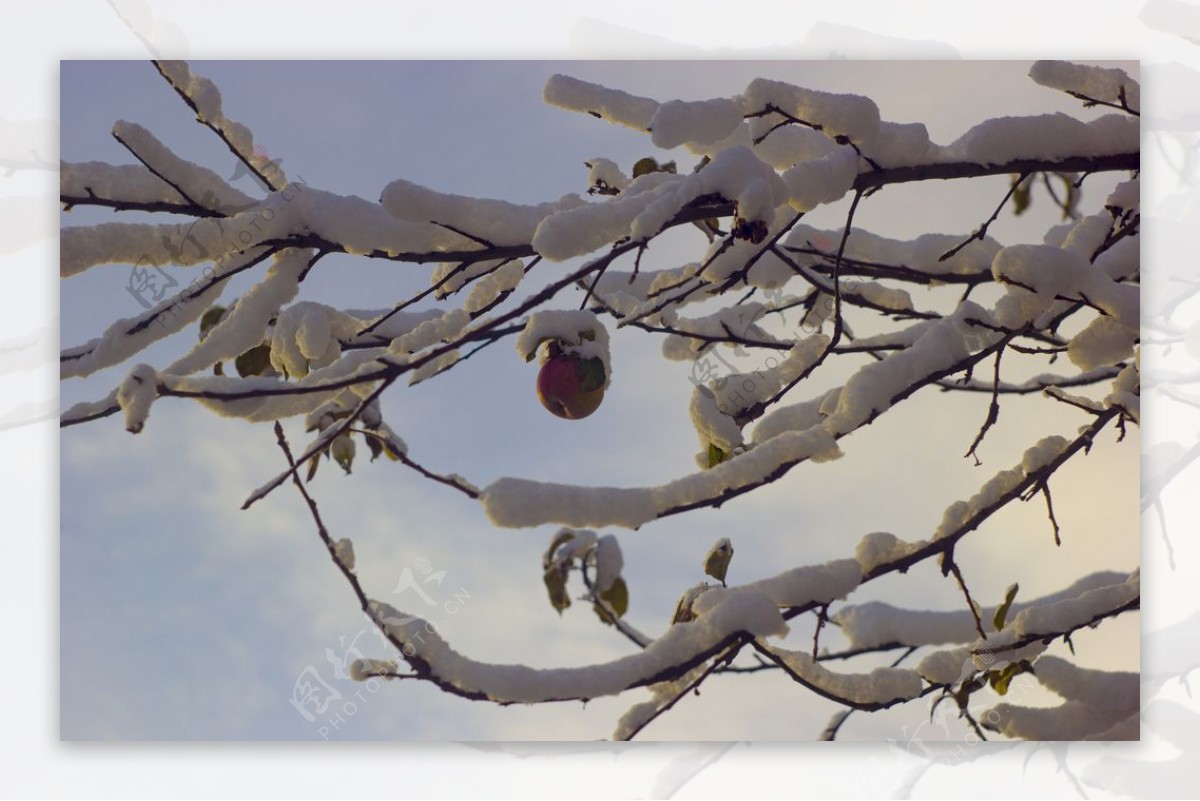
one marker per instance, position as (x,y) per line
(832,329)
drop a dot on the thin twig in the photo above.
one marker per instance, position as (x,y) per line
(1050,511)
(993,411)
(951,566)
(981,232)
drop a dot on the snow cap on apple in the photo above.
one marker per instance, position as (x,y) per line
(575,360)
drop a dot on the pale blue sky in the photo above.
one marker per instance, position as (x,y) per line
(185,618)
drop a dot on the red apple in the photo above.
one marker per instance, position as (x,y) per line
(570,386)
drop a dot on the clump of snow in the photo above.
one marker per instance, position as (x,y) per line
(86,410)
(605,174)
(433,367)
(363,669)
(663,692)
(1045,451)
(131,335)
(449,276)
(653,200)
(871,389)
(1107,690)
(1088,234)
(1095,83)
(1103,341)
(738,320)
(438,329)
(199,183)
(244,324)
(313,333)
(200,241)
(277,399)
(741,391)
(611,105)
(1035,458)
(809,584)
(207,100)
(738,175)
(713,426)
(677,122)
(825,180)
(579,332)
(131,183)
(885,297)
(851,116)
(521,503)
(875,623)
(360,226)
(1044,137)
(881,547)
(1126,197)
(882,686)
(898,145)
(490,287)
(422,646)
(1043,273)
(609,562)
(135,394)
(343,551)
(242,327)
(794,417)
(787,146)
(757,612)
(1126,392)
(578,231)
(921,254)
(1068,613)
(1101,705)
(947,666)
(308,336)
(496,221)
(396,325)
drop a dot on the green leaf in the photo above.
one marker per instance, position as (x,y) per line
(255,361)
(1072,199)
(716,564)
(374,445)
(563,536)
(591,374)
(645,166)
(342,450)
(683,607)
(210,318)
(1021,197)
(555,578)
(1001,679)
(617,597)
(1002,610)
(716,455)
